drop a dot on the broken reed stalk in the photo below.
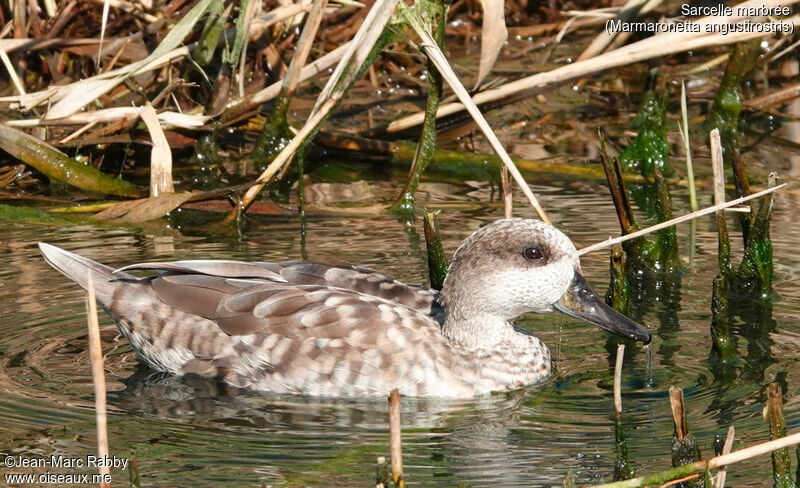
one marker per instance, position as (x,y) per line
(160,155)
(618,380)
(684,127)
(700,466)
(435,54)
(395,440)
(508,194)
(684,447)
(726,449)
(677,220)
(716,163)
(98,377)
(616,184)
(678,413)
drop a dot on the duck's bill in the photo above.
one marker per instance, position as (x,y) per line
(582,303)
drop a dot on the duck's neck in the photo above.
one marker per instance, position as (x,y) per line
(470,323)
(476,312)
(476,331)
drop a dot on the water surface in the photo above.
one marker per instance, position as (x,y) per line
(194,433)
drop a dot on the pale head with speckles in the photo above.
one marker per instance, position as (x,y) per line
(510,267)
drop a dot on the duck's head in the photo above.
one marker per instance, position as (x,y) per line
(513,266)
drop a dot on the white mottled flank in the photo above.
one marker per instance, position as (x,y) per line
(323,330)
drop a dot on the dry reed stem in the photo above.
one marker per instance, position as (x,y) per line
(309,71)
(678,412)
(723,471)
(252,8)
(167,117)
(652,47)
(603,39)
(50,7)
(365,38)
(716,164)
(716,462)
(684,129)
(98,376)
(618,380)
(440,60)
(677,220)
(78,132)
(160,156)
(12,72)
(286,154)
(508,194)
(5,31)
(395,438)
(55,93)
(103,23)
(494,35)
(295,71)
(679,481)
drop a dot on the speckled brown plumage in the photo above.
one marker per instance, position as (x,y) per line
(315,329)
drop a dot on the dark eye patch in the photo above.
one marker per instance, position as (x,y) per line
(533,253)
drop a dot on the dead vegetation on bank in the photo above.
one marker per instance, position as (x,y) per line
(95,97)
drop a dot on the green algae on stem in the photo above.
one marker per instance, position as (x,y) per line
(623,469)
(437,260)
(724,113)
(660,254)
(650,149)
(275,135)
(723,349)
(742,187)
(754,277)
(773,413)
(56,165)
(426,146)
(618,294)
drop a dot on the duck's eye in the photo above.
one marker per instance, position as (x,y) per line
(532,254)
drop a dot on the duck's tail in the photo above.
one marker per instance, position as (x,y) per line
(78,269)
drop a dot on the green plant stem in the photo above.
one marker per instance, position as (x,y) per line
(426,145)
(437,261)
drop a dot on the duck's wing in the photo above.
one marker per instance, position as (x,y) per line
(314,339)
(243,306)
(361,280)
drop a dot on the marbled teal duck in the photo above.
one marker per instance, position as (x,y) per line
(315,329)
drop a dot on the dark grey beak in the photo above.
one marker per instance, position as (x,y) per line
(582,303)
